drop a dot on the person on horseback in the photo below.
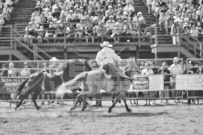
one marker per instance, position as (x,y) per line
(107,58)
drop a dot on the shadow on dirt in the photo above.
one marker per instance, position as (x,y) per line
(134,114)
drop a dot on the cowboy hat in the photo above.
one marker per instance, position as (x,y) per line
(106,44)
(53,59)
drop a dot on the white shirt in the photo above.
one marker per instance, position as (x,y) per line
(175,69)
(107,55)
(147,72)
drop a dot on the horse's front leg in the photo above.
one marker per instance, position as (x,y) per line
(125,102)
(19,104)
(114,103)
(84,103)
(78,98)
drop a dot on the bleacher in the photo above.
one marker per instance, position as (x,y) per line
(15,39)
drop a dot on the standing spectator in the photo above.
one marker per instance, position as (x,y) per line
(162,20)
(192,70)
(4,70)
(12,71)
(175,32)
(149,6)
(25,72)
(147,71)
(175,69)
(164,70)
(141,20)
(169,22)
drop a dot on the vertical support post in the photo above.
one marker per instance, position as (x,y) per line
(11,37)
(65,43)
(200,47)
(34,54)
(156,40)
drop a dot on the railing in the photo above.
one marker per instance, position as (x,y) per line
(33,49)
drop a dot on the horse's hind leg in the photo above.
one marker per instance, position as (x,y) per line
(115,102)
(34,97)
(126,105)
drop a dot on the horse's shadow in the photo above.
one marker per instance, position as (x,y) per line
(134,114)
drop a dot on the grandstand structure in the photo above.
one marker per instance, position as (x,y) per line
(13,47)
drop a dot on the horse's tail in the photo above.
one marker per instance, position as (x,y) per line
(72,84)
(22,85)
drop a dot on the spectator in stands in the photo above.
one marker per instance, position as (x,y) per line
(175,31)
(51,32)
(110,25)
(12,71)
(29,32)
(40,34)
(70,33)
(141,20)
(169,22)
(100,31)
(192,70)
(162,20)
(4,70)
(109,12)
(25,71)
(2,22)
(78,31)
(126,31)
(175,69)
(87,29)
(147,71)
(149,5)
(164,70)
(135,22)
(194,32)
(117,31)
(129,7)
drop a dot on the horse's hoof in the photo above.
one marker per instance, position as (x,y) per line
(71,109)
(95,106)
(38,108)
(129,110)
(109,111)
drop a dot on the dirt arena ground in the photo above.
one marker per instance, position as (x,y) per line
(159,119)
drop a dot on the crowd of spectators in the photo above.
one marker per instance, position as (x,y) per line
(171,14)
(169,72)
(6,7)
(88,20)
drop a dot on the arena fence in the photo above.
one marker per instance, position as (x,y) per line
(144,87)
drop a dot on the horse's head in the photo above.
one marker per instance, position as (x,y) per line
(130,67)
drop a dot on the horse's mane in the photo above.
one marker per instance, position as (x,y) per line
(132,66)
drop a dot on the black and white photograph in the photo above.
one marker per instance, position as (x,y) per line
(101,67)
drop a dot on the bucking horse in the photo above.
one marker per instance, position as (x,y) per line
(40,81)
